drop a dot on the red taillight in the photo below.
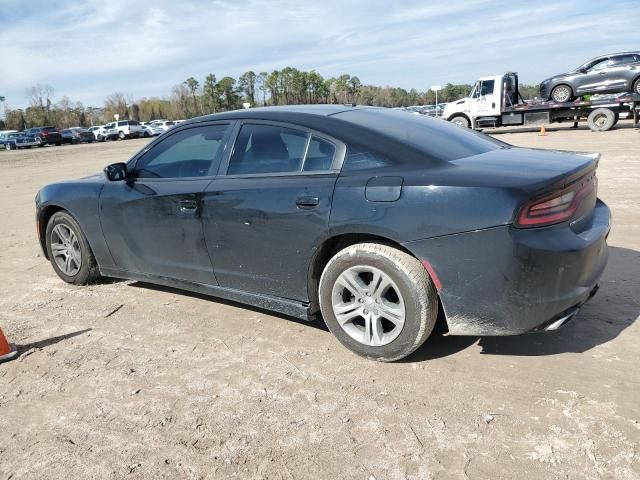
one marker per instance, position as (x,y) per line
(557,207)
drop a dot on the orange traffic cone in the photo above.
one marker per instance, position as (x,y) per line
(543,132)
(7,351)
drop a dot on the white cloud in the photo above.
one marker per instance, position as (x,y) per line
(87,50)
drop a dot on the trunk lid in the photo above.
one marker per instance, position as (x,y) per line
(530,170)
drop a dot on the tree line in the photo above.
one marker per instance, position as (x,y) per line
(195,97)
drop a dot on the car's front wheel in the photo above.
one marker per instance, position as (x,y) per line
(378,301)
(636,86)
(69,251)
(561,94)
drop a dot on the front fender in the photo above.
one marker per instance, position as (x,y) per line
(80,200)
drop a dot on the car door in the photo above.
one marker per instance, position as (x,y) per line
(152,221)
(485,100)
(268,209)
(622,71)
(593,80)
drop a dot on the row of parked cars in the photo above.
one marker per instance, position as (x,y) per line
(431,110)
(120,130)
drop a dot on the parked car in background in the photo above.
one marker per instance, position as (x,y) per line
(380,220)
(152,130)
(77,135)
(45,135)
(67,136)
(165,125)
(127,128)
(106,132)
(15,140)
(613,73)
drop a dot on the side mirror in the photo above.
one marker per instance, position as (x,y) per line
(116,172)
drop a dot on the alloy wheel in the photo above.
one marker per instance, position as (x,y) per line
(368,305)
(65,249)
(561,94)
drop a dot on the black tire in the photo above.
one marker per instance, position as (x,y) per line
(88,271)
(413,283)
(636,86)
(561,94)
(7,146)
(58,144)
(601,119)
(145,134)
(461,120)
(121,135)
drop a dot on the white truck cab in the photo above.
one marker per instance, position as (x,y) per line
(485,101)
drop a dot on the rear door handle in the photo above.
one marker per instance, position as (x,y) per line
(307,201)
(188,206)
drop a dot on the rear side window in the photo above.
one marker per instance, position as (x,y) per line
(362,158)
(267,149)
(319,155)
(623,59)
(436,139)
(188,153)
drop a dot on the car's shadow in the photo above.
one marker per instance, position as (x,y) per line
(603,318)
(319,324)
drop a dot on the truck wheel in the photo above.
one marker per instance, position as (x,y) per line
(561,94)
(601,120)
(378,301)
(460,120)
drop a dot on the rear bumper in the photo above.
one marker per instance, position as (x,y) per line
(508,281)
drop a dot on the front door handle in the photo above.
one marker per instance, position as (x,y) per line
(307,201)
(188,206)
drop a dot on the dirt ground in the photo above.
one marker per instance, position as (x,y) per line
(174,385)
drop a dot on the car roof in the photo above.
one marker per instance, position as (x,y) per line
(635,52)
(277,112)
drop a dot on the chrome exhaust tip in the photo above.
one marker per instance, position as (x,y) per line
(562,321)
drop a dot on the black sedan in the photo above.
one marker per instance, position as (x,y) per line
(379,220)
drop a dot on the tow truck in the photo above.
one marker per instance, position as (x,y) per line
(495,101)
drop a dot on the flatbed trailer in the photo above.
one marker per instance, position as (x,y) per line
(496,102)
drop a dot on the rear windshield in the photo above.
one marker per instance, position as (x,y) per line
(436,138)
(50,129)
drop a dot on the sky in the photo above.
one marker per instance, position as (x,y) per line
(88,49)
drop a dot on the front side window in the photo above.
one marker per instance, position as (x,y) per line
(187,153)
(486,88)
(599,65)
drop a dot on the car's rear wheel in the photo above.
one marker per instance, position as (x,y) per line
(561,94)
(69,251)
(461,120)
(121,135)
(378,301)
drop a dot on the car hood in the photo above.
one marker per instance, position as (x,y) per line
(561,76)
